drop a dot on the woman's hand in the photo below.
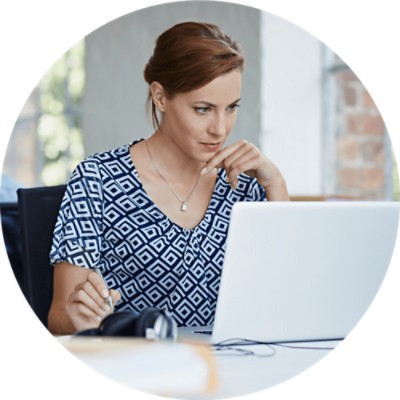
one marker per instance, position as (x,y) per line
(86,305)
(78,299)
(244,157)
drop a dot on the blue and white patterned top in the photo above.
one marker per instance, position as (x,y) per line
(107,220)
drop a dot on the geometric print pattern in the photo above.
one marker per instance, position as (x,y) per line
(107,220)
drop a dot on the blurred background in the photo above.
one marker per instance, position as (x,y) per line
(301,104)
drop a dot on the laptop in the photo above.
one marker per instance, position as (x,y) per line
(300,271)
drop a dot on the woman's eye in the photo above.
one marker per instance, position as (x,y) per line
(202,110)
(233,107)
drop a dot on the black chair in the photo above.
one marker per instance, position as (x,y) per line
(38,210)
(12,239)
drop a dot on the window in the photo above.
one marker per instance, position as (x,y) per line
(46,143)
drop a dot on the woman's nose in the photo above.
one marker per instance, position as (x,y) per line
(218,126)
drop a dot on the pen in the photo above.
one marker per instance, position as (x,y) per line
(108,298)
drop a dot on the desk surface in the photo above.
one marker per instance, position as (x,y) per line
(240,375)
(231,374)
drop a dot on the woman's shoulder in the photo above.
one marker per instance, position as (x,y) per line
(114,155)
(115,164)
(92,165)
(107,155)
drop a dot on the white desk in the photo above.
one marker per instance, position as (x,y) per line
(240,375)
(233,375)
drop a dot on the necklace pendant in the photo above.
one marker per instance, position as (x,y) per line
(184,206)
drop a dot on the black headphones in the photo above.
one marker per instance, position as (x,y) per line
(151,323)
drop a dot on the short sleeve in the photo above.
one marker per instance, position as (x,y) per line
(77,234)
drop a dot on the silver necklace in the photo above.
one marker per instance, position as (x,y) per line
(184,205)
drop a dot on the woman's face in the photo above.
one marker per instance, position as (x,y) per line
(199,122)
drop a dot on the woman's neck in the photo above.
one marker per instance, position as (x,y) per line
(168,157)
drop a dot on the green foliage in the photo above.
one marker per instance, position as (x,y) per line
(59,129)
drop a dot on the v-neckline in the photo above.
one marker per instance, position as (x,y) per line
(209,209)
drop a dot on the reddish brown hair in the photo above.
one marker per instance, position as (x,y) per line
(188,56)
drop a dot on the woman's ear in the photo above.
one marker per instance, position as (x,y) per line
(158,95)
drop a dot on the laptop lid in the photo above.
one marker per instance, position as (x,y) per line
(299,271)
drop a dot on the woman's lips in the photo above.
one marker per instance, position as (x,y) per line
(211,147)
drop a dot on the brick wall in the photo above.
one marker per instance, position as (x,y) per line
(360,140)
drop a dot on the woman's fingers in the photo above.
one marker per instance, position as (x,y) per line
(86,305)
(240,157)
(247,164)
(217,161)
(88,298)
(102,291)
(82,315)
(98,284)
(115,296)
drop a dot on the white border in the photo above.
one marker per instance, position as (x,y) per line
(365,34)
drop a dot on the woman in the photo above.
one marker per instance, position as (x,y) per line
(153,215)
